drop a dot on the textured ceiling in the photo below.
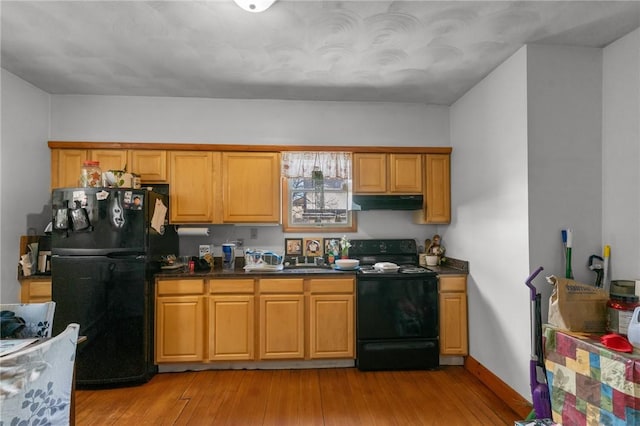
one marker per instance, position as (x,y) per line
(395,51)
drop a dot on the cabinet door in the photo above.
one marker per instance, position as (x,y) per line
(110,159)
(251,187)
(191,186)
(331,332)
(282,326)
(438,189)
(179,333)
(35,291)
(369,173)
(65,167)
(453,315)
(231,332)
(151,165)
(405,173)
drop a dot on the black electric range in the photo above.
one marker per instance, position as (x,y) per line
(396,307)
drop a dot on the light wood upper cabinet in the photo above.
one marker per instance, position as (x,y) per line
(151,165)
(65,167)
(251,187)
(438,188)
(379,173)
(437,194)
(191,194)
(369,173)
(405,173)
(453,315)
(110,159)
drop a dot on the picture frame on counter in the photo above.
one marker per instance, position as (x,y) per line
(293,246)
(313,246)
(327,243)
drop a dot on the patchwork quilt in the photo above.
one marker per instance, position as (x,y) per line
(589,383)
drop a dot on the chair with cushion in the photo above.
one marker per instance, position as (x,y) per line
(38,317)
(36,382)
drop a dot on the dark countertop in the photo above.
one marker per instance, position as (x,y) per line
(241,273)
(450,267)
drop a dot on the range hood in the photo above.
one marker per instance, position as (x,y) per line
(387,202)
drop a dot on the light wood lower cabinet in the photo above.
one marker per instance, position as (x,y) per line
(281,315)
(331,318)
(231,319)
(180,320)
(35,290)
(453,315)
(247,319)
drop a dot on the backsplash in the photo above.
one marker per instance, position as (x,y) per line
(371,224)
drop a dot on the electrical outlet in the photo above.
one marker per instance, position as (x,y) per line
(253,233)
(240,242)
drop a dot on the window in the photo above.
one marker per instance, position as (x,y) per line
(317,191)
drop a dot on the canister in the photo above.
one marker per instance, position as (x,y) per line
(90,174)
(228,256)
(620,309)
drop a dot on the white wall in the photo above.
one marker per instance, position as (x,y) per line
(490,226)
(531,131)
(621,155)
(24,175)
(565,157)
(226,121)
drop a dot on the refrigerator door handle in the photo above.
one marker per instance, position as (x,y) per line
(129,255)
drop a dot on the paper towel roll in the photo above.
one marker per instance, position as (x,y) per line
(193,232)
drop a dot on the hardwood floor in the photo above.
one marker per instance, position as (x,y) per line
(345,396)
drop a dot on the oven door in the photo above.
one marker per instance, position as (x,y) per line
(397,306)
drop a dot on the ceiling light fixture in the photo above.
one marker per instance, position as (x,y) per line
(255,6)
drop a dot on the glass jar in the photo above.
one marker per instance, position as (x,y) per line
(90,174)
(619,312)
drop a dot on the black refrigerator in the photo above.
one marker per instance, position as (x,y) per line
(106,245)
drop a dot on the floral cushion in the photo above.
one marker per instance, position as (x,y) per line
(36,382)
(38,317)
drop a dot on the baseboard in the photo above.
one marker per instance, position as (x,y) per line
(256,365)
(512,398)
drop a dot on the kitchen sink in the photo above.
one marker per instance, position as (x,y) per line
(311,269)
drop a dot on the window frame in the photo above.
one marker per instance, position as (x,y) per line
(320,227)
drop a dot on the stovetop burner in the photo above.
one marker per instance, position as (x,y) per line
(404,269)
(414,270)
(400,252)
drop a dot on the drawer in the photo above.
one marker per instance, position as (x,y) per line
(287,285)
(167,287)
(231,286)
(40,289)
(453,283)
(342,285)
